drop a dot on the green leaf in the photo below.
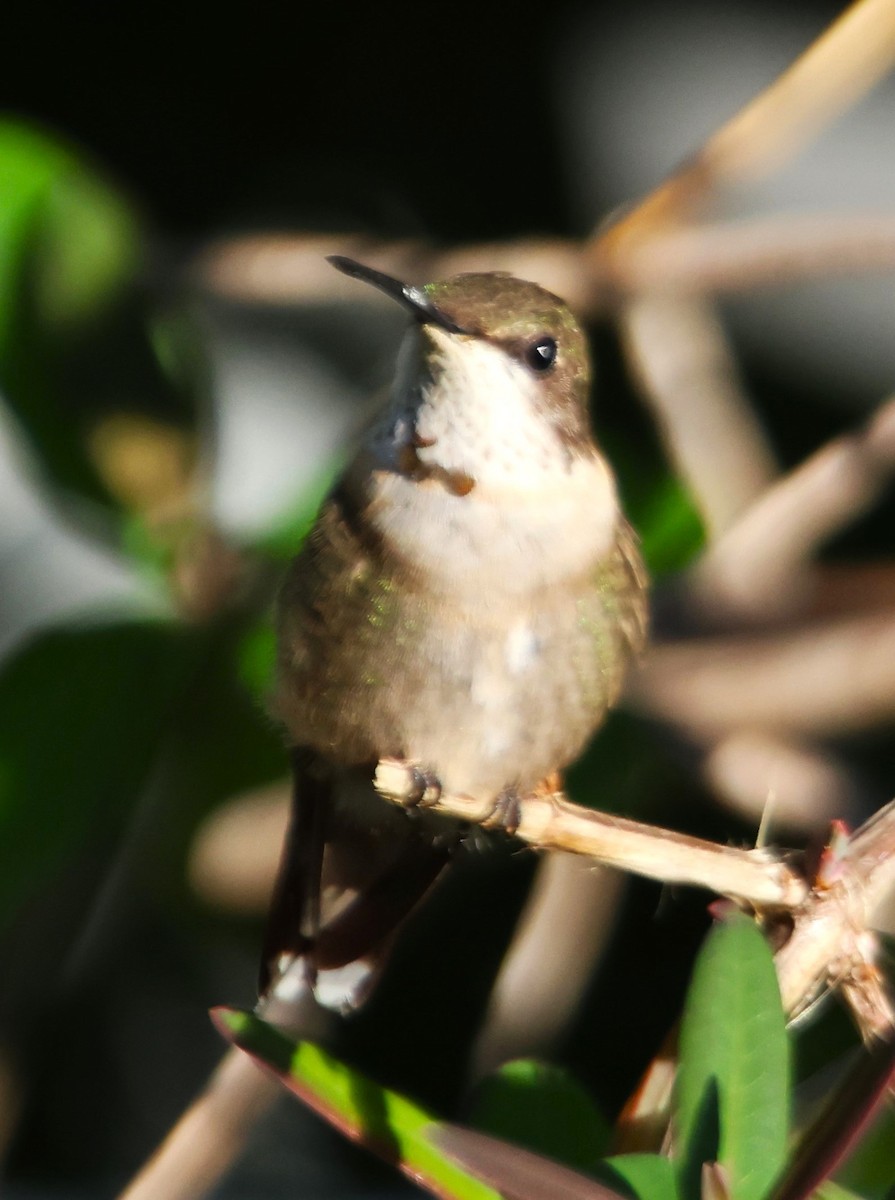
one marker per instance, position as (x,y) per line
(647,1176)
(542,1107)
(383,1121)
(256,658)
(671,529)
(63,230)
(733,1085)
(81,714)
(656,501)
(70,246)
(83,236)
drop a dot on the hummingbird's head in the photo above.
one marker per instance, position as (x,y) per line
(494,335)
(482,475)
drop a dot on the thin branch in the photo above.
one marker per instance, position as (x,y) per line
(840,67)
(688,374)
(758,566)
(551,822)
(823,679)
(720,257)
(766,251)
(213,1132)
(565,925)
(829,945)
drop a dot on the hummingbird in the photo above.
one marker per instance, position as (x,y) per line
(467,602)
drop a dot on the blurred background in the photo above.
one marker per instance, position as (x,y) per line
(163,444)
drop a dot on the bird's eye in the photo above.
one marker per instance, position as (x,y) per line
(541,354)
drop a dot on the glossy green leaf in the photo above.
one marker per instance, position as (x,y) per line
(733,1085)
(81,715)
(383,1121)
(542,1107)
(645,1176)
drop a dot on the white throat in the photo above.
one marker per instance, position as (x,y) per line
(536,513)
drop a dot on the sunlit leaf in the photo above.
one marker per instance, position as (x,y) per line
(543,1108)
(383,1121)
(733,1087)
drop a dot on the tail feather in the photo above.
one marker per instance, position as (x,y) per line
(352,871)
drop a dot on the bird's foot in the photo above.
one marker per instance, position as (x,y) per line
(506,813)
(425,787)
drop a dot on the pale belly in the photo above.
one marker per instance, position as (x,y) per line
(487,702)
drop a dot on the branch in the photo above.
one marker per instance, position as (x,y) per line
(213,1132)
(822,679)
(759,564)
(737,255)
(831,944)
(840,67)
(688,374)
(551,822)
(567,921)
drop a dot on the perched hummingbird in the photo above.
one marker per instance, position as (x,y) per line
(467,601)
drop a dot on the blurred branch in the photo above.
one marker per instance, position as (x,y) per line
(234,855)
(759,565)
(688,373)
(778,780)
(213,1132)
(841,66)
(291,268)
(734,256)
(551,822)
(566,923)
(827,678)
(706,258)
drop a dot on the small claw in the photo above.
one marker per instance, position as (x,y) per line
(425,790)
(507,811)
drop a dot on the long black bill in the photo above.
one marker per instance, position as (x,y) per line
(414,298)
